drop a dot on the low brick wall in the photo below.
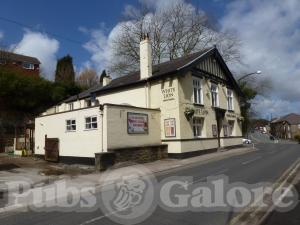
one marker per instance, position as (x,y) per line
(141,154)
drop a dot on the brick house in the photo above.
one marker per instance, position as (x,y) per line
(286,127)
(26,64)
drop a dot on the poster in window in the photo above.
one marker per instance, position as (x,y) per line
(137,123)
(170,127)
(214,130)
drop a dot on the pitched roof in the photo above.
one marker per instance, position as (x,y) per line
(18,58)
(292,119)
(159,70)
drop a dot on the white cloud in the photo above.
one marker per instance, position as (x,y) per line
(39,45)
(270,35)
(1,34)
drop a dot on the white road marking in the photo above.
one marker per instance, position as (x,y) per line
(251,160)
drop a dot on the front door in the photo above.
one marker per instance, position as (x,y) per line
(51,149)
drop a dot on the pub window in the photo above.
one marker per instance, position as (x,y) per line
(70,106)
(71,125)
(215,95)
(197,91)
(230,127)
(230,100)
(88,103)
(28,66)
(225,128)
(198,126)
(170,127)
(2,61)
(91,122)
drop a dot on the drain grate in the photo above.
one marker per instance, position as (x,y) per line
(8,166)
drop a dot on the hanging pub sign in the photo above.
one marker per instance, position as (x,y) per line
(170,127)
(137,123)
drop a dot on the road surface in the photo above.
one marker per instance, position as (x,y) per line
(264,165)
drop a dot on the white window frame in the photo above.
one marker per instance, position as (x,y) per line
(30,65)
(216,92)
(198,125)
(69,127)
(230,100)
(71,106)
(90,123)
(231,129)
(197,91)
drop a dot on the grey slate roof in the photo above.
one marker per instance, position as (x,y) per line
(158,70)
(292,119)
(18,57)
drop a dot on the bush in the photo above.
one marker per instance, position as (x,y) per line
(297,138)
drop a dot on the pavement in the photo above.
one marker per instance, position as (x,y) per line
(264,164)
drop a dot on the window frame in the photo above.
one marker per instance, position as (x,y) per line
(198,133)
(231,129)
(70,125)
(216,92)
(86,101)
(230,97)
(31,65)
(71,106)
(167,125)
(91,123)
(199,91)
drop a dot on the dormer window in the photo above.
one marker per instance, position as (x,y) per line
(70,106)
(28,66)
(87,103)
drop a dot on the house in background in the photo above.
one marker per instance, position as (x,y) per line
(286,127)
(183,107)
(26,64)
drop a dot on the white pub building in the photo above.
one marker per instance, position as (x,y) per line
(180,108)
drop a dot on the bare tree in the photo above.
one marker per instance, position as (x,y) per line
(87,78)
(176,31)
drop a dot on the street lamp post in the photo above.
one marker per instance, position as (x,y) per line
(249,74)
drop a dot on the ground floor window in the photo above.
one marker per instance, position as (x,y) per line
(91,122)
(170,127)
(71,125)
(231,127)
(198,126)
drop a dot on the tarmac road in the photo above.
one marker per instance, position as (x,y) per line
(265,165)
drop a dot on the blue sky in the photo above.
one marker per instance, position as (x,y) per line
(269,31)
(64,18)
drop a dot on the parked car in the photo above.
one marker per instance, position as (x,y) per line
(246,141)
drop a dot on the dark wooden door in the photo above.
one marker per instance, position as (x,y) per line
(51,149)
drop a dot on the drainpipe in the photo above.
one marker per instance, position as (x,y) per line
(101,108)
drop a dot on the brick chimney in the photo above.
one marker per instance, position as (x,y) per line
(145,57)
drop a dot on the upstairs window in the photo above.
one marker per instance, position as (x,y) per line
(198,126)
(2,61)
(87,103)
(197,91)
(71,106)
(91,122)
(28,66)
(214,95)
(230,100)
(71,125)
